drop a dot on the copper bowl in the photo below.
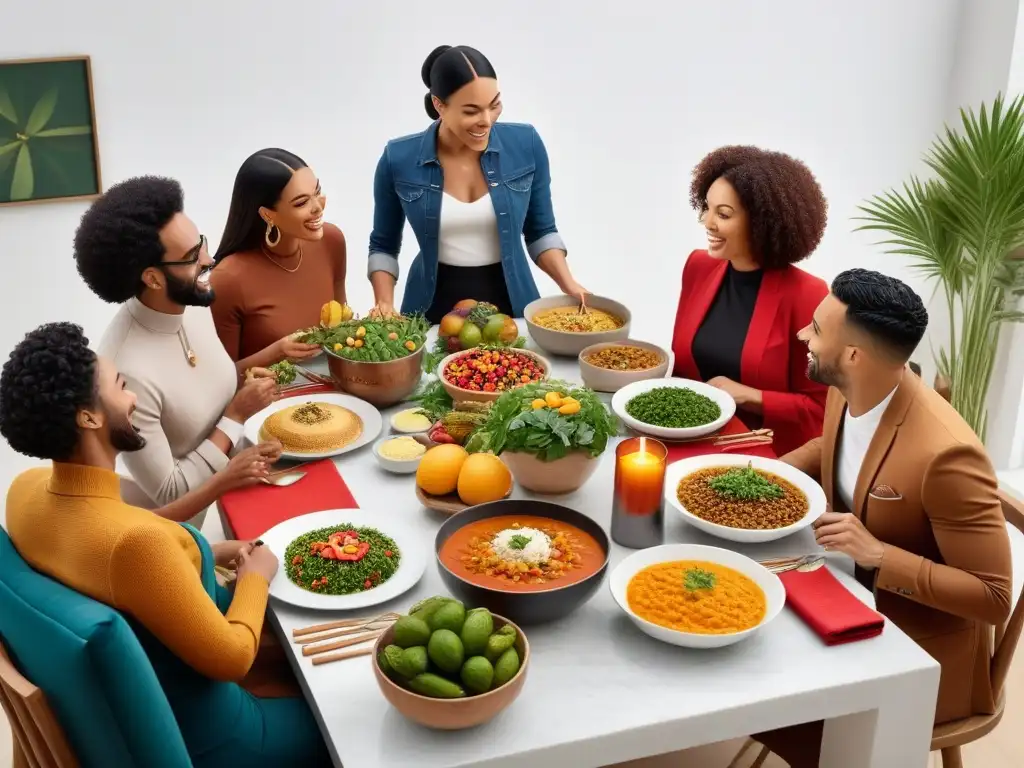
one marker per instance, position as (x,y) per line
(380,384)
(453,714)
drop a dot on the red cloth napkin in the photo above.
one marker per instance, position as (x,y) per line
(251,512)
(829,608)
(677,451)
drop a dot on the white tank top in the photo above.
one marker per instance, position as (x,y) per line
(468,234)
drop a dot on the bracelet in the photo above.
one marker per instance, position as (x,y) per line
(232,429)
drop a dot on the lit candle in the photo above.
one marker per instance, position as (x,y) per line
(642,476)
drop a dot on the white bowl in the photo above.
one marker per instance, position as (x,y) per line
(627,393)
(571,344)
(774,592)
(401,431)
(400,467)
(609,380)
(815,496)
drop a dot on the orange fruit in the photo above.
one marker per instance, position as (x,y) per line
(484,477)
(438,472)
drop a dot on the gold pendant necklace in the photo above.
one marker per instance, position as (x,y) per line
(187,348)
(278,264)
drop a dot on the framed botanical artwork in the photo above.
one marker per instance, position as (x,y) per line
(48,145)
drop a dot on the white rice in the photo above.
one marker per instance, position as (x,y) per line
(537,550)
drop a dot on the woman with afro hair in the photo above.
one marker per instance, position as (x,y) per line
(743,301)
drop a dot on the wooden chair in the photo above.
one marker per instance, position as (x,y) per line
(39,741)
(949,737)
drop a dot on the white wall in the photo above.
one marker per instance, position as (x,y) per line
(628,97)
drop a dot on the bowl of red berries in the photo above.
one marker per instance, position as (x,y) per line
(485,373)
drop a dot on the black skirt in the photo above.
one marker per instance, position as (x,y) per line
(457,283)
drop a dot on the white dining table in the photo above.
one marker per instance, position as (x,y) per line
(599,692)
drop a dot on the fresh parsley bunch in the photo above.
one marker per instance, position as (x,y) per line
(514,424)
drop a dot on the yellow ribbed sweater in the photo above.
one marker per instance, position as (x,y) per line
(71,524)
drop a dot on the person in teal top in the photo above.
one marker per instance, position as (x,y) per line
(474,190)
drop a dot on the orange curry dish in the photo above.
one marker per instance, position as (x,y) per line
(522,554)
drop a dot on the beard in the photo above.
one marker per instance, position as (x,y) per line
(818,372)
(125,437)
(187,293)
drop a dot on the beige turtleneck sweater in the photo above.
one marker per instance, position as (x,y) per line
(178,405)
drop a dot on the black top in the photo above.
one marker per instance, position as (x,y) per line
(718,344)
(457,283)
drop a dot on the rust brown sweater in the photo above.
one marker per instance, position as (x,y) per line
(259,303)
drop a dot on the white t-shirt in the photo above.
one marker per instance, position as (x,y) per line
(853,447)
(468,233)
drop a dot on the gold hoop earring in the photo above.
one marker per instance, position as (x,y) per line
(270,229)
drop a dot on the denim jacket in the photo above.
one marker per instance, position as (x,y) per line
(409,183)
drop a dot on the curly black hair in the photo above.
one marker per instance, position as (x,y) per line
(784,202)
(884,308)
(119,236)
(49,377)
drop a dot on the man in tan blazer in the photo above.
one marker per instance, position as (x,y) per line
(912,494)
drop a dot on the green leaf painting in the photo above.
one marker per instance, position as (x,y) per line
(47,148)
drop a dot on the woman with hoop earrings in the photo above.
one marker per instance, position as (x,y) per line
(278,261)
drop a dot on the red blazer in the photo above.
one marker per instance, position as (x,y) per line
(774,360)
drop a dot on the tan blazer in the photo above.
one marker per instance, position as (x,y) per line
(945,577)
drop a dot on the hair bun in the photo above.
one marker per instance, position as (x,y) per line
(428,63)
(428,104)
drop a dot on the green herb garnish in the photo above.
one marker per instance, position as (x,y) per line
(433,400)
(745,484)
(698,578)
(673,408)
(518,541)
(285,372)
(514,425)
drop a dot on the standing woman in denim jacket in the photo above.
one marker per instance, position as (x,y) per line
(473,190)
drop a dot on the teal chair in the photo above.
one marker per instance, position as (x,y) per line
(89,663)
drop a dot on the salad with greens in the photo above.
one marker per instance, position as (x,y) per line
(548,420)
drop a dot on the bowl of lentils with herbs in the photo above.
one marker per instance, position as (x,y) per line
(675,409)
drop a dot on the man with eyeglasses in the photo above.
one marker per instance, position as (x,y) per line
(136,247)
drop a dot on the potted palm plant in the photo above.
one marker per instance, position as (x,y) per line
(964,230)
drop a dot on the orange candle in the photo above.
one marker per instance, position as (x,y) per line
(641,477)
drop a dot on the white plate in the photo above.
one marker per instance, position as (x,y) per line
(815,496)
(774,592)
(410,568)
(627,393)
(372,422)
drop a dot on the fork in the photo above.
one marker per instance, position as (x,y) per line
(803,563)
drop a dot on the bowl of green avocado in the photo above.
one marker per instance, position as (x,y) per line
(448,667)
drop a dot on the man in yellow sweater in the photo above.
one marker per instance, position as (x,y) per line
(59,401)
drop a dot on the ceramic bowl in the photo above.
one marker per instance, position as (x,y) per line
(459,395)
(399,430)
(453,714)
(607,380)
(570,344)
(563,475)
(774,592)
(725,402)
(535,607)
(398,466)
(680,469)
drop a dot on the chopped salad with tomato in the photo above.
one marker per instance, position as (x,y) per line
(341,560)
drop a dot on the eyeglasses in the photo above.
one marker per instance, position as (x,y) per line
(192,257)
